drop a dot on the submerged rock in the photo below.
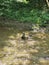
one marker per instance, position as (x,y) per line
(24,37)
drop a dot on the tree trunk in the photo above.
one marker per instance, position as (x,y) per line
(47,1)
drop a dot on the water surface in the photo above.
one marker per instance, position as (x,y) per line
(15,51)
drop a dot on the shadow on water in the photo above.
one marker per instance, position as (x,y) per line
(4,35)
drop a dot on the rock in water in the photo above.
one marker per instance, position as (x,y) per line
(24,37)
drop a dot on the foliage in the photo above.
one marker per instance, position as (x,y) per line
(35,11)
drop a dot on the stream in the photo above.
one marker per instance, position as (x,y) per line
(16,51)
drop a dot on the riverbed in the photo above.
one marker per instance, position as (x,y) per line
(16,51)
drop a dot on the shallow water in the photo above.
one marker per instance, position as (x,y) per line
(15,51)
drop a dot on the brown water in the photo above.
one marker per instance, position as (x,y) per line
(15,51)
